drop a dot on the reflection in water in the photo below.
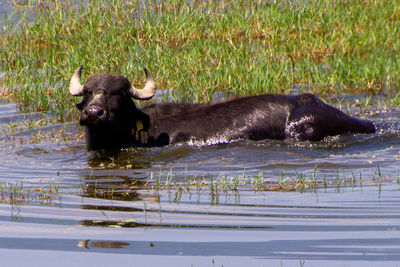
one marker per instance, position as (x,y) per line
(133,159)
(101,244)
(309,200)
(107,178)
(113,187)
(322,249)
(347,250)
(116,224)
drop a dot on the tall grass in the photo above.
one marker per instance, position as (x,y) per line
(198,48)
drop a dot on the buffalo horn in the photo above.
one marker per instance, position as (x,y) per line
(75,86)
(149,89)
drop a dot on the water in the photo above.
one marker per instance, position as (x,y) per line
(60,205)
(60,202)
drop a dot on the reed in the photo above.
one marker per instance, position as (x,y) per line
(197,48)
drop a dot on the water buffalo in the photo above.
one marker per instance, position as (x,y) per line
(113,121)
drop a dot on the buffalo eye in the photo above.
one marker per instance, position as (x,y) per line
(116,92)
(80,105)
(87,93)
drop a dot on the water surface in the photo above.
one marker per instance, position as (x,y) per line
(60,202)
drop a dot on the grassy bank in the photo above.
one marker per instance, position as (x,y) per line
(199,48)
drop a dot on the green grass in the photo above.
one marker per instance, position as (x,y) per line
(18,193)
(107,188)
(48,193)
(198,48)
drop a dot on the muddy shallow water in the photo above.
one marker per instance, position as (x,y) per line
(157,206)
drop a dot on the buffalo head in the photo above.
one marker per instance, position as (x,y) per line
(107,109)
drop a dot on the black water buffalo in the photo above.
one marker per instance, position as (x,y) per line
(113,121)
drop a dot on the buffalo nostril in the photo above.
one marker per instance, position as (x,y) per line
(94,112)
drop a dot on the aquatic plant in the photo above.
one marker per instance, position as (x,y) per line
(199,48)
(19,193)
(224,185)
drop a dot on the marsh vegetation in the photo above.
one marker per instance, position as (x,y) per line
(282,202)
(198,48)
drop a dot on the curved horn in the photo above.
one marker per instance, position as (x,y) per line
(149,89)
(75,86)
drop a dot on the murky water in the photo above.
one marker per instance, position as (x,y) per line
(60,205)
(59,202)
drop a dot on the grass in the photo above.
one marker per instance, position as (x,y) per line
(35,131)
(156,195)
(108,188)
(148,190)
(18,193)
(198,48)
